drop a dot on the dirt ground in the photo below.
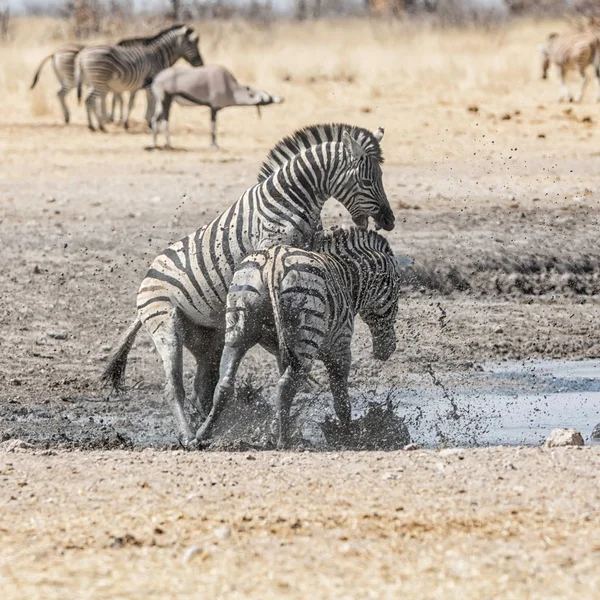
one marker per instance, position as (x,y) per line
(495,188)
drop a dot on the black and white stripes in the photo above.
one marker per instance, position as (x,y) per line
(120,68)
(307,302)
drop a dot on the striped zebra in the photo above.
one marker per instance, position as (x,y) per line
(301,305)
(63,63)
(181,301)
(570,52)
(112,68)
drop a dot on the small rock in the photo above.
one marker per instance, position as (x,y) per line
(391,476)
(596,433)
(564,437)
(57,335)
(222,533)
(410,447)
(50,200)
(16,382)
(36,270)
(191,552)
(473,109)
(14,445)
(459,452)
(541,136)
(250,457)
(506,117)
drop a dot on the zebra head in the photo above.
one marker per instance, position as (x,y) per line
(362,191)
(188,40)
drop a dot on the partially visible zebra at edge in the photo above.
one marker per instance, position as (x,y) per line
(572,52)
(105,68)
(301,306)
(181,301)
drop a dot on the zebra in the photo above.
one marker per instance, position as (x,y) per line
(569,52)
(211,86)
(112,68)
(300,305)
(181,301)
(63,63)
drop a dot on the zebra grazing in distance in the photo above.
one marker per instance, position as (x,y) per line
(181,301)
(211,86)
(570,52)
(114,68)
(63,63)
(301,306)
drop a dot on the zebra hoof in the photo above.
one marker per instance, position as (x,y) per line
(126,125)
(102,128)
(91,128)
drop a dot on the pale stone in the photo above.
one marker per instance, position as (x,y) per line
(564,437)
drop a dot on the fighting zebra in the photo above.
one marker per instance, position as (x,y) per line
(181,301)
(301,306)
(114,68)
(63,63)
(569,52)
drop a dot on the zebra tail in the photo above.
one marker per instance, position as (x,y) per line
(115,370)
(39,70)
(285,353)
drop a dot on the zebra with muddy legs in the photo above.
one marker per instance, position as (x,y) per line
(301,306)
(572,52)
(181,301)
(118,69)
(211,86)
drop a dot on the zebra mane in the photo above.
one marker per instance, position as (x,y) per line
(341,239)
(145,41)
(312,135)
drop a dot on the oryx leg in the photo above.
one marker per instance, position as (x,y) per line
(129,107)
(167,332)
(213,127)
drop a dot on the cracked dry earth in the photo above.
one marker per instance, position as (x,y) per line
(484,523)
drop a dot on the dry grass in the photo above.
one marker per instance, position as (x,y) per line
(357,62)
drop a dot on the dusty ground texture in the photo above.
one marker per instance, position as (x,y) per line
(487,523)
(495,188)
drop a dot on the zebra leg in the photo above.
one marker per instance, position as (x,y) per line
(168,339)
(206,345)
(230,362)
(213,127)
(338,369)
(564,91)
(90,104)
(584,82)
(62,92)
(105,117)
(129,107)
(149,106)
(287,387)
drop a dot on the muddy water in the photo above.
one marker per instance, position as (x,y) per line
(503,403)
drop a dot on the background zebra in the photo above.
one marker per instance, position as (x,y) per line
(113,68)
(570,52)
(181,301)
(301,306)
(63,63)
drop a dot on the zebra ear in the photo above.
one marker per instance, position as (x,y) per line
(379,133)
(352,146)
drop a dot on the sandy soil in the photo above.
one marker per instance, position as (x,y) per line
(495,188)
(487,523)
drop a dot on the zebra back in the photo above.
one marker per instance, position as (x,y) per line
(306,137)
(145,41)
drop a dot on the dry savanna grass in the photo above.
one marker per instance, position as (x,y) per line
(373,72)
